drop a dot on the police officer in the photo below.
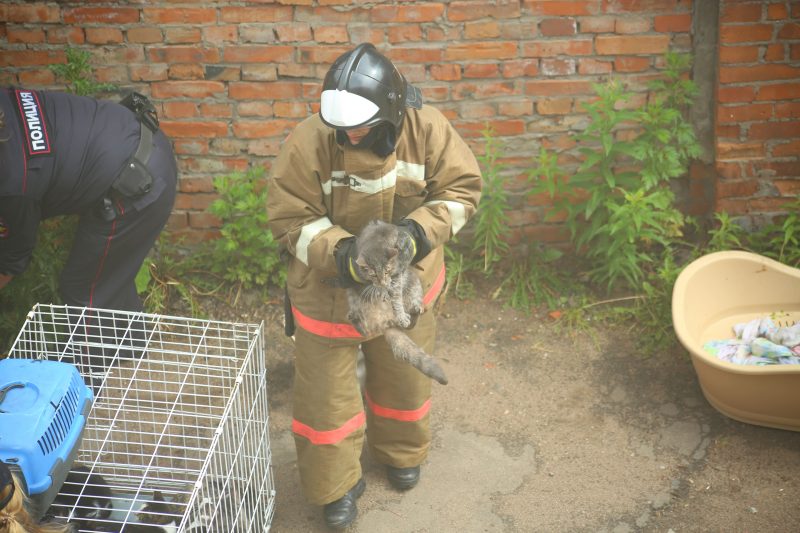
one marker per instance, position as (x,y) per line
(373,152)
(108,163)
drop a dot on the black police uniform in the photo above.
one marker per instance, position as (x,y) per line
(60,154)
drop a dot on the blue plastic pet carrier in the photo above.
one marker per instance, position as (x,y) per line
(43,410)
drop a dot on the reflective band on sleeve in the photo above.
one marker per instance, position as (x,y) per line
(411,415)
(336,330)
(333,436)
(458,213)
(411,171)
(307,234)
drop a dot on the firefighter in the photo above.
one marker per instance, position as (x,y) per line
(105,161)
(374,151)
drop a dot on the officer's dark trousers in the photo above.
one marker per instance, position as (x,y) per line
(106,255)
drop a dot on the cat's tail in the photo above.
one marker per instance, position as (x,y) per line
(406,350)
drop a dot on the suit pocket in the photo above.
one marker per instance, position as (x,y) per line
(408,195)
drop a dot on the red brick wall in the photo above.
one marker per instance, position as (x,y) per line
(758,107)
(232,78)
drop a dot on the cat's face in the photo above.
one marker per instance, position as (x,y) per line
(378,270)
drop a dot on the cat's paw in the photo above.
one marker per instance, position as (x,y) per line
(404,320)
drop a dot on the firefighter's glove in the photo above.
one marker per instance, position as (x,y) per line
(422,246)
(345,256)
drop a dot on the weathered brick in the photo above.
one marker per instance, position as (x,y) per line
(227,33)
(745,33)
(405,33)
(420,55)
(25,35)
(291,109)
(485,89)
(728,131)
(787,110)
(631,44)
(558,26)
(738,54)
(36,77)
(273,90)
(194,128)
(520,67)
(515,109)
(604,24)
(631,64)
(184,15)
(481,70)
(245,129)
(215,110)
(29,58)
(187,89)
(221,73)
(794,52)
(732,207)
(757,73)
(183,54)
(258,54)
(33,13)
(148,73)
(728,169)
(179,110)
(446,72)
(554,106)
(251,15)
(673,23)
(103,35)
(561,8)
(331,34)
(196,202)
(739,150)
(182,35)
(744,113)
(557,87)
(736,189)
(775,52)
(789,31)
(482,30)
(590,66)
(186,71)
(551,48)
(788,188)
(777,11)
(736,94)
(791,148)
(557,67)
(741,12)
(100,15)
(487,50)
(424,12)
(630,24)
(62,35)
(774,130)
(473,10)
(294,70)
(144,34)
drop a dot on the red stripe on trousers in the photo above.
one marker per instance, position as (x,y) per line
(335,330)
(403,415)
(333,436)
(102,262)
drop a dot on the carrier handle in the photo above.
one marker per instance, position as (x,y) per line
(7,388)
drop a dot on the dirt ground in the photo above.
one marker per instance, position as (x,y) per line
(541,430)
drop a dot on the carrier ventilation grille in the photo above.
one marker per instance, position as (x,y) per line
(62,419)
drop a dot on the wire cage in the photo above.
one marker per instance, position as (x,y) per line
(177,438)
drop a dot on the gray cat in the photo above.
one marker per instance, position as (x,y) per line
(392,296)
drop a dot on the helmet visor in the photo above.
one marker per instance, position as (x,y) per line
(346,110)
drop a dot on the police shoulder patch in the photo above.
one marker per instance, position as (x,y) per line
(33,122)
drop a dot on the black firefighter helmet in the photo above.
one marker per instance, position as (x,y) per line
(363,89)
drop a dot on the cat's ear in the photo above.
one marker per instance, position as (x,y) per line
(391,252)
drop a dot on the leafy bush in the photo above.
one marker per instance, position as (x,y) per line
(245,253)
(77,73)
(619,209)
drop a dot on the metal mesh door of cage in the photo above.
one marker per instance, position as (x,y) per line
(177,436)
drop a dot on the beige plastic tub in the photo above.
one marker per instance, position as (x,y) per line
(725,288)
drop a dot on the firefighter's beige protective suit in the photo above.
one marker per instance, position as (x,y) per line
(319,193)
